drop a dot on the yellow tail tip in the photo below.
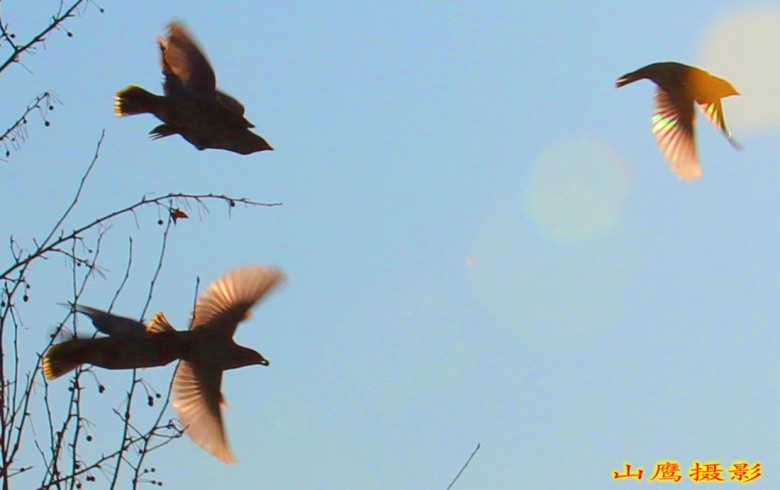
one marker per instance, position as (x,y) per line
(52,367)
(46,366)
(132,100)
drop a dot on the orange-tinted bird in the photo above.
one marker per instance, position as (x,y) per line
(205,350)
(679,86)
(192,106)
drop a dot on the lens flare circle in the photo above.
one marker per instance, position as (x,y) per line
(578,190)
(744,48)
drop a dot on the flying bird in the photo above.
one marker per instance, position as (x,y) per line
(204,351)
(192,106)
(679,86)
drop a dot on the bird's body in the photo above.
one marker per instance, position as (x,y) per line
(679,87)
(192,105)
(113,353)
(688,81)
(156,349)
(204,351)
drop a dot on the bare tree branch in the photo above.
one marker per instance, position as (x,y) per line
(16,134)
(57,23)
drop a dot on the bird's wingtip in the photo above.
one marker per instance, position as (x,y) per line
(689,174)
(68,305)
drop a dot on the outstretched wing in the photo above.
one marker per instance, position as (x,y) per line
(197,397)
(673,120)
(185,67)
(116,326)
(228,300)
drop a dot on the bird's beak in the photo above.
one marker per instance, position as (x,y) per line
(261,360)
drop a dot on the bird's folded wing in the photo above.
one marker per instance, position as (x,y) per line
(197,397)
(673,129)
(227,301)
(232,105)
(184,65)
(114,325)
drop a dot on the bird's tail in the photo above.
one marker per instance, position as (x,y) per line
(134,100)
(627,78)
(59,360)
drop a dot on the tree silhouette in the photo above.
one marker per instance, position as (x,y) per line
(47,438)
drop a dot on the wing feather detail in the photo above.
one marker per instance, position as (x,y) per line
(673,129)
(228,300)
(197,398)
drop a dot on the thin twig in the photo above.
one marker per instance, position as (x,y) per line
(16,134)
(463,467)
(79,190)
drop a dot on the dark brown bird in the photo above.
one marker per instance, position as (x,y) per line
(192,106)
(205,350)
(679,86)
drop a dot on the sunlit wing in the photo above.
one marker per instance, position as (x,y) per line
(227,301)
(714,112)
(673,129)
(184,65)
(114,325)
(196,396)
(159,325)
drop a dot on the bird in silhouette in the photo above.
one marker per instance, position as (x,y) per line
(679,86)
(205,350)
(116,326)
(192,106)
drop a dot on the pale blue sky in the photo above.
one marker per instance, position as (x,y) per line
(482,240)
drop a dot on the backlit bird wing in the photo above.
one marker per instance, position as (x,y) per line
(673,120)
(714,112)
(114,325)
(197,397)
(228,300)
(185,67)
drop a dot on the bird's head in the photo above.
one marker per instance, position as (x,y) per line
(249,142)
(730,90)
(246,357)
